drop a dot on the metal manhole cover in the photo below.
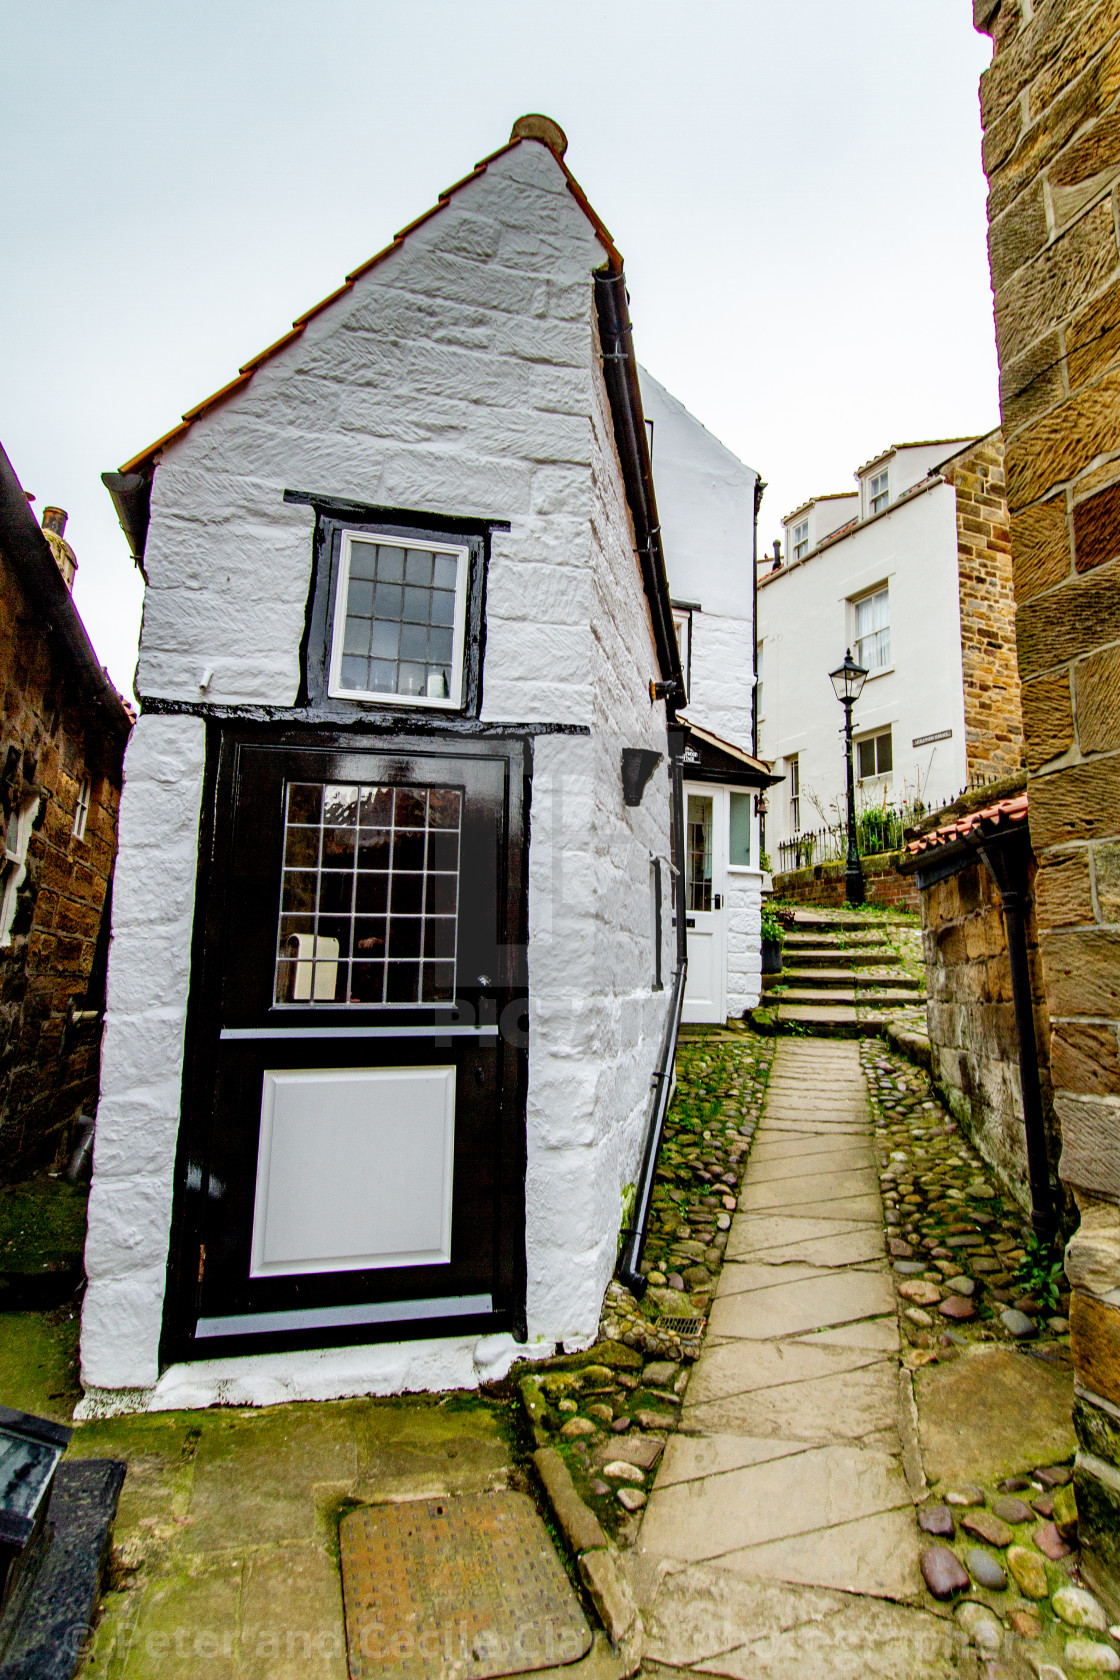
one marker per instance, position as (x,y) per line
(456,1589)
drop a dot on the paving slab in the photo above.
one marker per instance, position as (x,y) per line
(692,1458)
(993,1412)
(865,1243)
(720,1515)
(800,1145)
(847,1406)
(736,1367)
(852,1157)
(876,1555)
(777,1229)
(811,1187)
(874,1333)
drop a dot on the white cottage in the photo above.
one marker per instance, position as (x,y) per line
(393,965)
(708,501)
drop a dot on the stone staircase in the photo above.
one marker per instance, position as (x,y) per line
(842,977)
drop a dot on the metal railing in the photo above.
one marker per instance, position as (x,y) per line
(879,829)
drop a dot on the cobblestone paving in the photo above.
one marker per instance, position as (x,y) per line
(954,1241)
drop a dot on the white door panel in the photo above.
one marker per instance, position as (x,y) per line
(707,814)
(354,1170)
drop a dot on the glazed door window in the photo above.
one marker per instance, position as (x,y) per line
(698,863)
(369,895)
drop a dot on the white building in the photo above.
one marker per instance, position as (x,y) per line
(911,572)
(391,975)
(708,502)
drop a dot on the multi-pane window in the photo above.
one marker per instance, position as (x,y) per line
(875,756)
(698,852)
(370,894)
(398,623)
(872,640)
(801,540)
(879,491)
(793,770)
(81,809)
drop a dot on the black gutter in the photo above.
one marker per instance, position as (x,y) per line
(620,372)
(1007,860)
(131,495)
(1006,855)
(27,551)
(628,1269)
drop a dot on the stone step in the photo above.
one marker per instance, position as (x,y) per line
(820,998)
(838,956)
(795,975)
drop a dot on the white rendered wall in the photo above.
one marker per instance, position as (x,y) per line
(804,622)
(705,501)
(743,912)
(460,376)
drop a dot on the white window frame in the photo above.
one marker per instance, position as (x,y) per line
(874,735)
(856,641)
(801,539)
(81,809)
(879,499)
(453,702)
(793,768)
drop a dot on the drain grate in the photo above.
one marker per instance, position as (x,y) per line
(455,1589)
(681,1326)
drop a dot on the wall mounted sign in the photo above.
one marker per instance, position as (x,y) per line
(926,740)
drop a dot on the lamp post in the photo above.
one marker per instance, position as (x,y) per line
(847,681)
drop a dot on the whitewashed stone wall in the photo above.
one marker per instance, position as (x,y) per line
(744,941)
(721,692)
(461,375)
(142,1052)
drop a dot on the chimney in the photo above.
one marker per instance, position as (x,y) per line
(776,567)
(54,524)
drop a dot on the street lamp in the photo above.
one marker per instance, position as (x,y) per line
(848,680)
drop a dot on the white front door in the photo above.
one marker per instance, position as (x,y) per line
(705,894)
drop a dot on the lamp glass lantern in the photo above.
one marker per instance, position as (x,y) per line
(848,680)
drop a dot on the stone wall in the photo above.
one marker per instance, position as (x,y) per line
(1050,105)
(992,713)
(50,739)
(970,1014)
(823,883)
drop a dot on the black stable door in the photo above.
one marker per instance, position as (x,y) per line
(352,1156)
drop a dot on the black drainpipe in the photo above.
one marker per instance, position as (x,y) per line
(630,1259)
(759,488)
(1007,863)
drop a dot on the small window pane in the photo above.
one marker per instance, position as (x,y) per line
(884,754)
(444,571)
(443,606)
(418,566)
(698,853)
(866,758)
(390,564)
(739,847)
(417,605)
(363,557)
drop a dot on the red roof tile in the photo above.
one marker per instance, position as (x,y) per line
(990,819)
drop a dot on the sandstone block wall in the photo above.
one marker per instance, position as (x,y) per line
(992,712)
(823,883)
(971,1022)
(1050,106)
(49,741)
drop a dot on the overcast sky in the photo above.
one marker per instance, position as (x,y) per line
(796,189)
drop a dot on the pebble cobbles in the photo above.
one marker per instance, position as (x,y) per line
(955,1242)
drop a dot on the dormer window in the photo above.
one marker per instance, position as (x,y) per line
(878,491)
(801,540)
(400,613)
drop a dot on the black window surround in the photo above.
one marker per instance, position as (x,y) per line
(336,517)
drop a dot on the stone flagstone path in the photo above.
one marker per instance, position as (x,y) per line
(787,1466)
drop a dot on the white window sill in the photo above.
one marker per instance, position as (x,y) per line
(883,671)
(742,869)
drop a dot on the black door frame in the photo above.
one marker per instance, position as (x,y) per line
(203,1023)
